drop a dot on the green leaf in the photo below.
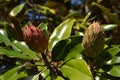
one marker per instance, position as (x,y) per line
(44,9)
(13,54)
(107,27)
(60,50)
(12,74)
(23,74)
(3,31)
(115,60)
(105,76)
(74,52)
(4,39)
(46,75)
(76,69)
(61,32)
(10,32)
(44,72)
(71,14)
(85,20)
(35,77)
(23,47)
(16,10)
(113,51)
(112,16)
(76,39)
(75,47)
(59,78)
(116,45)
(115,71)
(44,28)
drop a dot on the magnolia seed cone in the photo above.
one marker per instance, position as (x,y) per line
(93,40)
(35,38)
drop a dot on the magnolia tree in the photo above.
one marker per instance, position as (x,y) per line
(78,48)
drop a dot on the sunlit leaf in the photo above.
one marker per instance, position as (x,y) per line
(113,51)
(5,40)
(76,70)
(44,9)
(35,77)
(16,10)
(12,74)
(112,16)
(3,30)
(74,52)
(23,74)
(13,54)
(115,71)
(23,47)
(61,32)
(46,75)
(75,47)
(115,60)
(108,27)
(59,78)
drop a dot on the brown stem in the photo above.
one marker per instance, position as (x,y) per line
(53,68)
(45,60)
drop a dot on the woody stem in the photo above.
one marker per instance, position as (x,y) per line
(45,60)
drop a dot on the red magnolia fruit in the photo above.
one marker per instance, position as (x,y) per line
(93,40)
(35,38)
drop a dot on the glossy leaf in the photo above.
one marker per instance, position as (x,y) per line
(76,39)
(23,47)
(108,27)
(61,32)
(10,32)
(75,47)
(5,40)
(112,16)
(60,50)
(3,30)
(13,54)
(115,71)
(115,60)
(12,74)
(74,52)
(76,69)
(113,51)
(16,10)
(35,77)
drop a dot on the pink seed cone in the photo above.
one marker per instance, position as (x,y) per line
(35,38)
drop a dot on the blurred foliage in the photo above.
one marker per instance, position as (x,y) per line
(64,23)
